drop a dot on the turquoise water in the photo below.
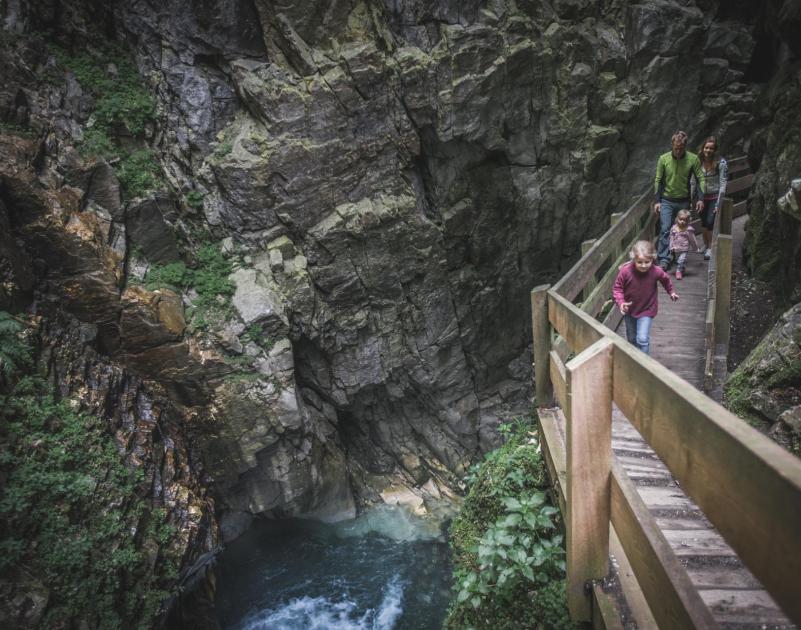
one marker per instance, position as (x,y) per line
(385,570)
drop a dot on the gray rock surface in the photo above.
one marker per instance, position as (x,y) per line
(766,387)
(390,180)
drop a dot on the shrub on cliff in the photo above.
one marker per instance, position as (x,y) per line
(508,556)
(75,526)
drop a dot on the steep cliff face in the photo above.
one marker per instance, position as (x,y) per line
(772,248)
(387,182)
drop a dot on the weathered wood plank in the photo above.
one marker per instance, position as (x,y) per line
(738,164)
(723,290)
(605,611)
(739,209)
(741,183)
(748,486)
(588,411)
(755,607)
(558,378)
(553,447)
(541,331)
(670,594)
(635,599)
(697,542)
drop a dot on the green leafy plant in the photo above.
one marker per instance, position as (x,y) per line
(508,554)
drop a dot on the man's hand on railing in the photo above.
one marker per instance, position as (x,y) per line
(624,307)
(674,296)
(657,207)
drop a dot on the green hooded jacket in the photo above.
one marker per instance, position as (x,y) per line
(672,181)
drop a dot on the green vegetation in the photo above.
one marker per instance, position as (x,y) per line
(194,199)
(14,352)
(123,108)
(508,556)
(74,516)
(139,173)
(209,280)
(256,334)
(13,129)
(223,149)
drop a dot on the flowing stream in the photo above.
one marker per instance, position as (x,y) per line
(385,570)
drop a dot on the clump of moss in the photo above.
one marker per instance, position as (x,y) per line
(508,557)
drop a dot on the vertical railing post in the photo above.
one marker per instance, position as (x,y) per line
(589,452)
(723,260)
(585,247)
(541,332)
(613,219)
(725,218)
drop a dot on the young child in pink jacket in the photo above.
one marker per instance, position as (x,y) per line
(682,238)
(635,293)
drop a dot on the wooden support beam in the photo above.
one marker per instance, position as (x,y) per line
(558,379)
(541,333)
(723,265)
(672,599)
(740,184)
(726,213)
(589,452)
(553,447)
(592,281)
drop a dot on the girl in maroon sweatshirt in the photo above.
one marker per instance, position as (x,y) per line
(635,293)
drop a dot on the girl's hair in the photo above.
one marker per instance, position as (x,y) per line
(643,249)
(682,214)
(715,156)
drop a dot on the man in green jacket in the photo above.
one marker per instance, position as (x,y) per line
(674,171)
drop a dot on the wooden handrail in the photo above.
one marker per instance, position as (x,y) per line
(747,485)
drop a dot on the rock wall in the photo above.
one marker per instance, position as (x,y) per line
(766,388)
(389,179)
(772,238)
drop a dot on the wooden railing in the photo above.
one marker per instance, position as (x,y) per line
(747,486)
(718,322)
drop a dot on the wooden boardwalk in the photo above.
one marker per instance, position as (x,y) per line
(677,335)
(734,597)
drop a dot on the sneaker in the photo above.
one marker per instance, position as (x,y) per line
(678,274)
(707,254)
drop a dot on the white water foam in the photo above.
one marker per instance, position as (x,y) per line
(321,613)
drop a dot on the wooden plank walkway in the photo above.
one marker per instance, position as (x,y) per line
(733,595)
(677,335)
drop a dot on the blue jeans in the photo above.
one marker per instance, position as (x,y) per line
(667,214)
(638,331)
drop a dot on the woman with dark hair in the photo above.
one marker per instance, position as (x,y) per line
(715,172)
